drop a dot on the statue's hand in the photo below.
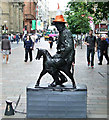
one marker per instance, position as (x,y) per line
(59,51)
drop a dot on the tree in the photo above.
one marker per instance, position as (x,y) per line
(79,14)
(77,17)
(98,10)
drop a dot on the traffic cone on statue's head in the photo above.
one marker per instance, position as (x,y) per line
(59,17)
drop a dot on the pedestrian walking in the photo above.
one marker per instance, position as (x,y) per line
(12,39)
(17,38)
(90,41)
(5,48)
(107,39)
(103,50)
(98,46)
(28,45)
(24,37)
(51,41)
(21,36)
(9,37)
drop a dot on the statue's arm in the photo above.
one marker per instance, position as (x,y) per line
(69,43)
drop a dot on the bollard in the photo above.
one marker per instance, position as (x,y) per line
(9,109)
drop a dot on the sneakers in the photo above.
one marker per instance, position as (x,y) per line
(25,60)
(92,67)
(99,63)
(88,63)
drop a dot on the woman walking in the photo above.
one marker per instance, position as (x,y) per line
(28,45)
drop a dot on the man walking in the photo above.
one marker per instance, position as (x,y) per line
(90,42)
(5,48)
(103,51)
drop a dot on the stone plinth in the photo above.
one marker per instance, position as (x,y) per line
(56,102)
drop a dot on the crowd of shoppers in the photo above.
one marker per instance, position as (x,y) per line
(94,44)
(15,37)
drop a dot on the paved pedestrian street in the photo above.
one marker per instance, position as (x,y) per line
(17,75)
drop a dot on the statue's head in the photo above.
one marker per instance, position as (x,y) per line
(60,26)
(59,21)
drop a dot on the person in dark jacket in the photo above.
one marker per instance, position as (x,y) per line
(51,41)
(90,41)
(17,38)
(5,48)
(103,50)
(28,45)
(107,39)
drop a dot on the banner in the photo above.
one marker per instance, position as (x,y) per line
(33,24)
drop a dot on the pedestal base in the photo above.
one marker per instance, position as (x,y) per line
(56,103)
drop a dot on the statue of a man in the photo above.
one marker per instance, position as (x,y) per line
(62,60)
(65,48)
(65,45)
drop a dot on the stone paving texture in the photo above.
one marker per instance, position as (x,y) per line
(16,75)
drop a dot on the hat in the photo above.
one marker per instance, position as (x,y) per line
(59,17)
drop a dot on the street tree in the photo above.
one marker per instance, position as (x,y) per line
(98,10)
(78,18)
(79,14)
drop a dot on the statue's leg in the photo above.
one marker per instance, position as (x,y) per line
(56,80)
(70,75)
(41,74)
(59,78)
(63,78)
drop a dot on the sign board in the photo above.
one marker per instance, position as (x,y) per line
(38,24)
(33,24)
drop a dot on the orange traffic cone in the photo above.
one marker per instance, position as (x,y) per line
(59,17)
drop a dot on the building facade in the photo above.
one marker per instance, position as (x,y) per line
(42,13)
(102,28)
(12,17)
(29,14)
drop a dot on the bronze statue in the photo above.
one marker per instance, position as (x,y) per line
(62,60)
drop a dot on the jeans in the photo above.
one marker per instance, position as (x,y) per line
(98,53)
(90,52)
(26,54)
